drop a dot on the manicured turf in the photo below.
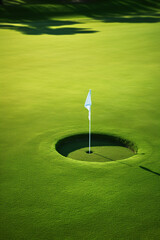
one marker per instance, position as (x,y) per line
(104,148)
(47,67)
(101,154)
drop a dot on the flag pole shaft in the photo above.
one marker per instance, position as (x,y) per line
(90,132)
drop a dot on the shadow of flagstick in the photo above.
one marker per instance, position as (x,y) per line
(112,159)
(144,168)
(147,169)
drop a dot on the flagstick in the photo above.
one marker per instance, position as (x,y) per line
(87,105)
(90,130)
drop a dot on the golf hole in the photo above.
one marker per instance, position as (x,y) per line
(104,148)
(89,152)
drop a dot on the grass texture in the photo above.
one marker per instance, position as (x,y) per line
(47,67)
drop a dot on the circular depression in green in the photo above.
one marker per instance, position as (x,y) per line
(104,148)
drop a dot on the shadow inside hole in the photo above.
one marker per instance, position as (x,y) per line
(74,143)
(89,152)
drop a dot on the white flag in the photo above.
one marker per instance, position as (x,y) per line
(88,104)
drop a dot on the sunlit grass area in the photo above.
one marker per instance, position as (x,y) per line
(48,62)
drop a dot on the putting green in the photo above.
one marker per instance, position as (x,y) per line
(47,67)
(101,154)
(105,148)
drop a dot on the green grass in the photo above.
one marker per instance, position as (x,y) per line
(47,67)
(104,148)
(101,154)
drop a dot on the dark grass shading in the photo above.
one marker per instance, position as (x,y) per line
(32,10)
(42,28)
(45,27)
(132,19)
(29,12)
